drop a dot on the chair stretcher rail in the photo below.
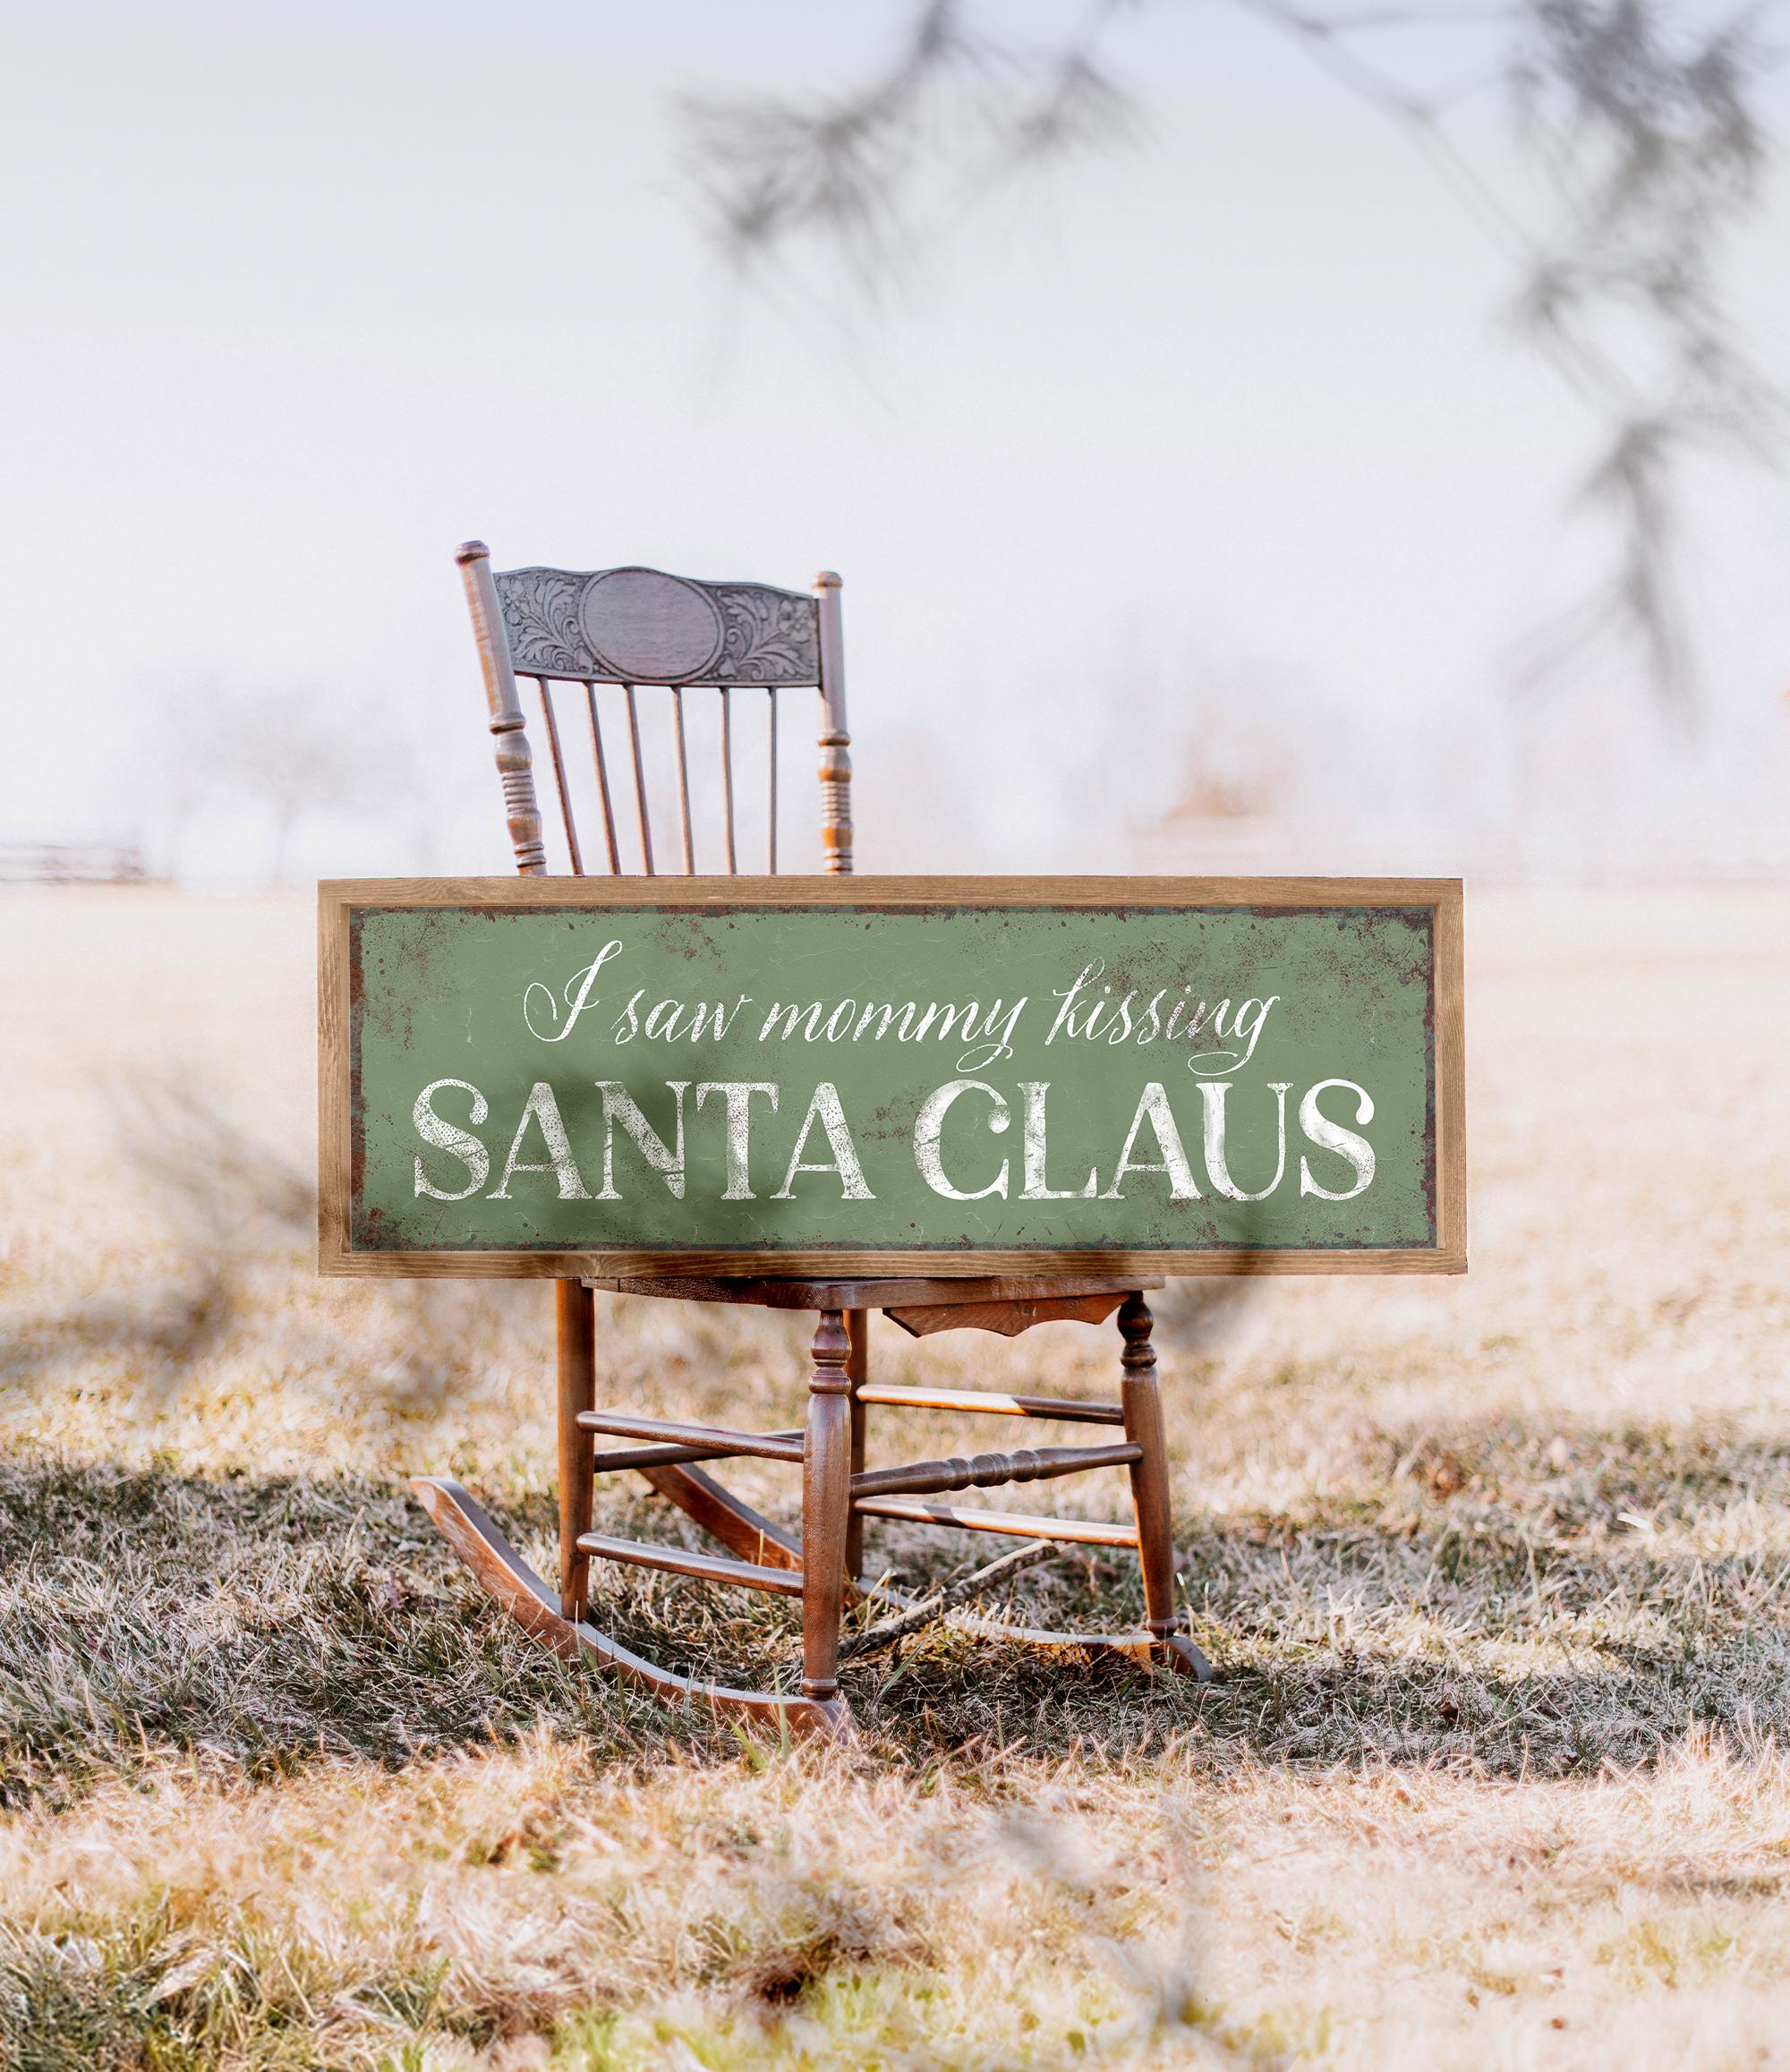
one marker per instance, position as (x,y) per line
(986,1471)
(624,1457)
(994,1404)
(763,1445)
(1025,1524)
(681,1560)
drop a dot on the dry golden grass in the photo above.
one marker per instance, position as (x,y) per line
(1497,1777)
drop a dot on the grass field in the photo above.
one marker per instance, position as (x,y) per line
(1497,1775)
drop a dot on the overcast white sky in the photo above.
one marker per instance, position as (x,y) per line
(296,297)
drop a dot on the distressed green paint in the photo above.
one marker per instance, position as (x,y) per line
(438,994)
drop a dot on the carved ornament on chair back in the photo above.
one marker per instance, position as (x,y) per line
(643,627)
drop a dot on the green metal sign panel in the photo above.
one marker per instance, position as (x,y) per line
(891,1075)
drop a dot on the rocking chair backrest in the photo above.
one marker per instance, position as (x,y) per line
(637,628)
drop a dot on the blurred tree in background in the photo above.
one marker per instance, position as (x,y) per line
(1639,131)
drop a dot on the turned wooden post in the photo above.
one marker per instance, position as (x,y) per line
(515,766)
(826,1501)
(835,742)
(1143,1405)
(857,1372)
(574,1313)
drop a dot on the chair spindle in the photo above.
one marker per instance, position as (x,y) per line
(603,782)
(726,781)
(683,782)
(559,776)
(770,815)
(640,786)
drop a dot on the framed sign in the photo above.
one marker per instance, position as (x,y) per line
(888,1076)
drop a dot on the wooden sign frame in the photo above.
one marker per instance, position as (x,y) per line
(337,900)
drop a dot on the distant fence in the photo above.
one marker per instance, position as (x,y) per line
(72,863)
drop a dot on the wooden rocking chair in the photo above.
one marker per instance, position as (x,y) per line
(632,629)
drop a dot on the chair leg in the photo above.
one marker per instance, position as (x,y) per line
(558,1620)
(1141,1398)
(826,1506)
(574,1312)
(857,1371)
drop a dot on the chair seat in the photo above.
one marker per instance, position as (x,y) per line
(774,1291)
